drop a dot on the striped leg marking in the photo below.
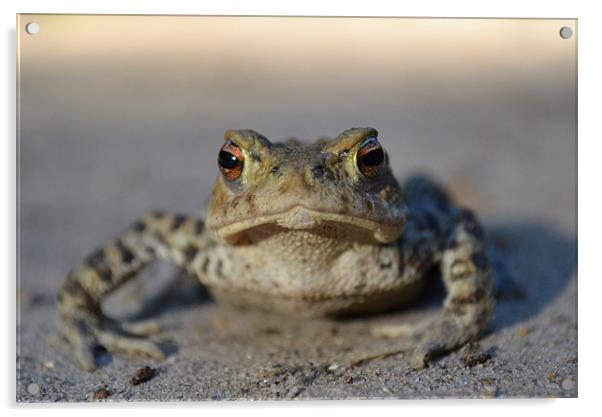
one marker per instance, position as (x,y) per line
(173,238)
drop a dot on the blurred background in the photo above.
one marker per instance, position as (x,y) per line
(119,115)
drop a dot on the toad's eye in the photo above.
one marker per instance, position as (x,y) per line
(370,157)
(230,161)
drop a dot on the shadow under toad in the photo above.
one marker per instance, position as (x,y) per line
(540,260)
(179,293)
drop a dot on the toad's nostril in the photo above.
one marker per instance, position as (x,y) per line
(318,171)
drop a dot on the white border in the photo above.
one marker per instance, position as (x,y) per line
(458,8)
(589,190)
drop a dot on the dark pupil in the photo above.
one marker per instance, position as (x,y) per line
(227,160)
(374,157)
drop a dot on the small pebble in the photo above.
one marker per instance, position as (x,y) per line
(333,367)
(271,331)
(49,364)
(489,390)
(101,393)
(552,376)
(393,331)
(33,388)
(567,384)
(143,375)
(522,331)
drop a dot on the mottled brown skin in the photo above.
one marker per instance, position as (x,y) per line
(301,231)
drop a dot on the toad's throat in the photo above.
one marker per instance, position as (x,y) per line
(303,218)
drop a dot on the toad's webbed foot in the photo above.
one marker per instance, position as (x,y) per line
(87,334)
(173,238)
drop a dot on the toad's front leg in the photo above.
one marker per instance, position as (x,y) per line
(457,243)
(173,238)
(469,305)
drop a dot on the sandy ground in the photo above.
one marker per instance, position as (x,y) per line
(105,140)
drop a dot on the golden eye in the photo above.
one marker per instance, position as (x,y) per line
(230,160)
(370,157)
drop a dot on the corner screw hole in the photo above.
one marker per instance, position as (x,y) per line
(32,28)
(566,32)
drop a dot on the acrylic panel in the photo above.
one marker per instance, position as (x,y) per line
(122,116)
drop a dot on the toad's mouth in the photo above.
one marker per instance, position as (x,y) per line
(303,218)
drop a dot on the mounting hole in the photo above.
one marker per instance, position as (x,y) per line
(32,28)
(566,32)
